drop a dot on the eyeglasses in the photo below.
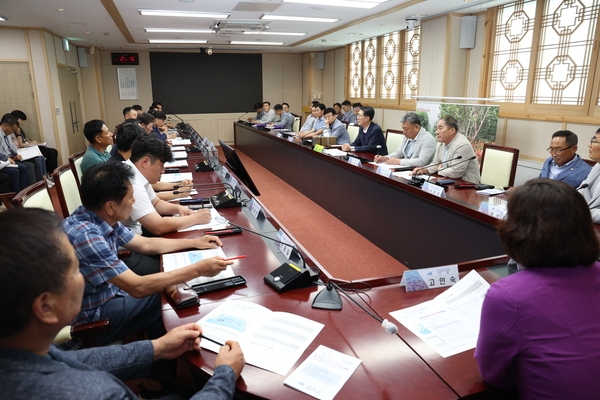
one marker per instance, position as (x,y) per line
(359,116)
(553,150)
(593,141)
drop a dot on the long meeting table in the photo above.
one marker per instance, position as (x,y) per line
(416,228)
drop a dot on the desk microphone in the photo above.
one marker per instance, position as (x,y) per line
(460,162)
(177,116)
(441,162)
(329,299)
(287,276)
(224,221)
(243,115)
(353,154)
(450,166)
(418,182)
(222,199)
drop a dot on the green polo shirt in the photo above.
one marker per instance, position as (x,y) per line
(93,157)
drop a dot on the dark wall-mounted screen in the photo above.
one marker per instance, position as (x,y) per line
(194,83)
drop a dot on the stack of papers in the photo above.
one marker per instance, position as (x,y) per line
(334,152)
(450,322)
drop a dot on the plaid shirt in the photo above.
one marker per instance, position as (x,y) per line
(96,244)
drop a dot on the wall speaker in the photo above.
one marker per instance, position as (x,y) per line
(320,60)
(468,28)
(65,44)
(82,57)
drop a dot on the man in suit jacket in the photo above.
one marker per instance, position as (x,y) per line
(418,147)
(44,293)
(451,145)
(369,135)
(564,164)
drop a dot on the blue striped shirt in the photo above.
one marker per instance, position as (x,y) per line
(96,244)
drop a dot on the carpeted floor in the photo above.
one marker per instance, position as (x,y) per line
(341,250)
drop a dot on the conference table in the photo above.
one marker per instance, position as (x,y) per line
(403,220)
(393,366)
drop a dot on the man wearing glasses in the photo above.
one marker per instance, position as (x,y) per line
(564,164)
(370,135)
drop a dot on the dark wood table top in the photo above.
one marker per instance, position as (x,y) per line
(460,371)
(389,368)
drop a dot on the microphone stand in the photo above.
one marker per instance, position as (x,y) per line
(329,299)
(240,117)
(418,182)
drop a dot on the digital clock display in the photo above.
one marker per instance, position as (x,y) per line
(125,59)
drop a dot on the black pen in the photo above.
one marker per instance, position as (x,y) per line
(211,340)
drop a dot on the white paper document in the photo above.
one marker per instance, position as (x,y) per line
(177,164)
(490,192)
(323,373)
(334,152)
(450,322)
(179,155)
(270,340)
(27,153)
(179,260)
(213,224)
(176,177)
(180,141)
(193,192)
(177,148)
(390,166)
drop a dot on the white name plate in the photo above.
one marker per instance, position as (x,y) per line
(430,278)
(354,161)
(383,171)
(255,208)
(434,189)
(286,250)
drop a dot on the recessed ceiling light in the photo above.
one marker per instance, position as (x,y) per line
(60,9)
(256,43)
(176,41)
(302,19)
(88,32)
(340,3)
(3,18)
(177,30)
(276,33)
(190,14)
